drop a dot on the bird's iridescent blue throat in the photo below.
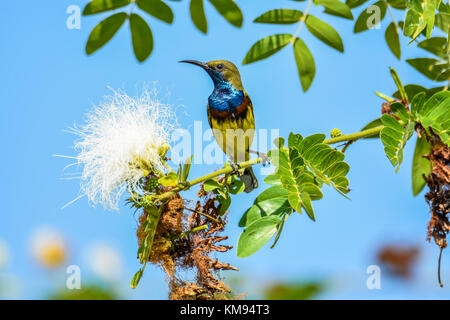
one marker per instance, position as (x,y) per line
(224,96)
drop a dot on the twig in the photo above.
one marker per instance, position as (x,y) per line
(302,21)
(203,214)
(439,267)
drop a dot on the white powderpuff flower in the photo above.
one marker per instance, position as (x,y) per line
(105,261)
(120,142)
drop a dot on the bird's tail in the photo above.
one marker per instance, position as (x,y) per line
(249,180)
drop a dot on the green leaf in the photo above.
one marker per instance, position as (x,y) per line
(229,10)
(355,3)
(141,37)
(324,32)
(98,6)
(399,84)
(272,179)
(336,8)
(418,18)
(272,201)
(369,16)
(169,180)
(151,223)
(237,187)
(136,278)
(429,11)
(435,45)
(157,9)
(412,21)
(326,163)
(104,31)
(411,90)
(417,103)
(280,16)
(421,166)
(435,114)
(392,39)
(225,202)
(436,70)
(399,110)
(211,185)
(442,21)
(277,237)
(394,137)
(186,168)
(266,47)
(398,4)
(198,15)
(279,142)
(432,91)
(305,64)
(296,179)
(413,18)
(256,235)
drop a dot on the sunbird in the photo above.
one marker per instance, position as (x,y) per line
(229,109)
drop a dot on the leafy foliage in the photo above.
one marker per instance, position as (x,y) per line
(266,47)
(301,169)
(256,235)
(336,8)
(104,31)
(324,32)
(280,16)
(434,115)
(304,60)
(305,63)
(141,34)
(392,39)
(272,201)
(394,137)
(305,165)
(229,10)
(421,167)
(433,69)
(198,16)
(99,6)
(368,17)
(420,15)
(157,9)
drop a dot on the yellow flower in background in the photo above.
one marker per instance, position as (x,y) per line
(49,248)
(123,138)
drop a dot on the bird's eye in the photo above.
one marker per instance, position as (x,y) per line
(219,66)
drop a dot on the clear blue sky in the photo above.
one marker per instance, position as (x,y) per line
(48,83)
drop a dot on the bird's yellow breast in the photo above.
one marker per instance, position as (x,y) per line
(234,131)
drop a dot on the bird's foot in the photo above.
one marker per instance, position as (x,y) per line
(264,158)
(236,167)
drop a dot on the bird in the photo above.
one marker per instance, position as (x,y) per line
(229,109)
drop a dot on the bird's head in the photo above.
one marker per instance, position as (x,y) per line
(220,71)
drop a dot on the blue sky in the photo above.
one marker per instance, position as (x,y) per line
(48,83)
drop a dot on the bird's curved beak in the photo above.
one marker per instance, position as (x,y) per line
(196,63)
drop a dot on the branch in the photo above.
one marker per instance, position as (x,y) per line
(355,136)
(228,170)
(167,195)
